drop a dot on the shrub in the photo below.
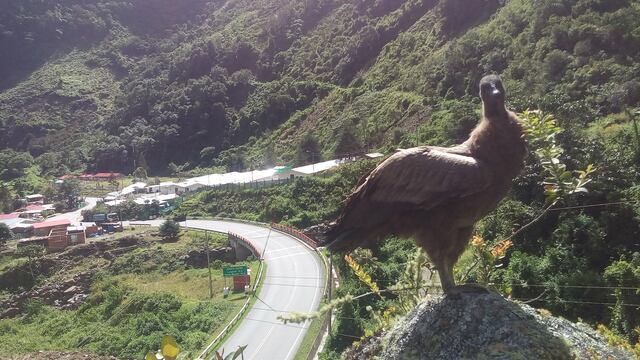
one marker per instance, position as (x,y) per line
(5,234)
(169,230)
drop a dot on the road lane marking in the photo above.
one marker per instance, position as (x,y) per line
(288,255)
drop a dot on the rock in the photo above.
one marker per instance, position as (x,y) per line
(10,312)
(485,326)
(72,290)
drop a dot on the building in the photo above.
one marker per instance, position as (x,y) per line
(107,176)
(76,235)
(35,199)
(59,235)
(44,228)
(164,188)
(374,155)
(133,189)
(35,211)
(316,168)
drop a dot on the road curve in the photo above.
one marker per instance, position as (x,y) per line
(294,281)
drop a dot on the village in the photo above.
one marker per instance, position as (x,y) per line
(38,223)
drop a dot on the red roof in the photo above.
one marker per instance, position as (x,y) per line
(30,208)
(52,223)
(9,216)
(107,175)
(65,177)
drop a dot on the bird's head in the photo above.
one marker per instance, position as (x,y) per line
(492,93)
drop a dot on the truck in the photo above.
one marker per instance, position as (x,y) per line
(101,218)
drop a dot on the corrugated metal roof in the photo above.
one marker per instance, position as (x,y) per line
(46,224)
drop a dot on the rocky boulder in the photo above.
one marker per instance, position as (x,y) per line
(485,326)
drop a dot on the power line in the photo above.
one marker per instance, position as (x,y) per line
(572,286)
(581,302)
(595,205)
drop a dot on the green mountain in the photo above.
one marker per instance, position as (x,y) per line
(98,84)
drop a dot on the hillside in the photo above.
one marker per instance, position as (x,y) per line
(179,86)
(242,83)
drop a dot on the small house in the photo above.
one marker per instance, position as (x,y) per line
(35,199)
(44,228)
(76,235)
(107,176)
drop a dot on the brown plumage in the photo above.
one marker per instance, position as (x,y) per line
(435,194)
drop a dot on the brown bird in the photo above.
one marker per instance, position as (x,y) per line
(437,194)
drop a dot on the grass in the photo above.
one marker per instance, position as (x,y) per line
(189,284)
(310,337)
(251,303)
(146,293)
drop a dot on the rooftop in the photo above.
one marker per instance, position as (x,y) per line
(46,224)
(9,216)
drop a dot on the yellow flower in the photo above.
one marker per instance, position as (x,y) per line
(501,248)
(477,241)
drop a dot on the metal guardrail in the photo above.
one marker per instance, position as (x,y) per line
(296,233)
(284,229)
(207,351)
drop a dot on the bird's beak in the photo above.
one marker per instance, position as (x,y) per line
(494,91)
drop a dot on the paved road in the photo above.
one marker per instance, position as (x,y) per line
(294,281)
(76,216)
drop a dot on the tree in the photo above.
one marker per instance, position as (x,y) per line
(6,199)
(5,234)
(140,173)
(69,193)
(31,252)
(172,169)
(308,150)
(169,230)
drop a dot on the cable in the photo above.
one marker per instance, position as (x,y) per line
(595,205)
(572,286)
(581,302)
(347,335)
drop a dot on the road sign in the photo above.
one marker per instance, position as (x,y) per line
(229,271)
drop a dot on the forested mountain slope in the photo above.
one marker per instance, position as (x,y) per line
(96,84)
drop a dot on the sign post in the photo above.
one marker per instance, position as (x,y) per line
(240,274)
(237,270)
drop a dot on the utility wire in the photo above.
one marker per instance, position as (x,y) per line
(560,300)
(595,205)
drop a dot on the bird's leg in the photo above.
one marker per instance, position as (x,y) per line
(445,272)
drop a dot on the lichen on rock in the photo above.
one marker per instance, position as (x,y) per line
(485,326)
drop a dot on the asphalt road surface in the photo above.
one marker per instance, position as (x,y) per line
(76,216)
(294,281)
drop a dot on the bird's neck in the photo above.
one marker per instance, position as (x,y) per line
(495,113)
(497,139)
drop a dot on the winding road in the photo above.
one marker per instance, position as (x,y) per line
(294,282)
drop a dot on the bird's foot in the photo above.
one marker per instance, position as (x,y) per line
(469,289)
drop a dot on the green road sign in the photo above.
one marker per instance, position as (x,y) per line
(229,271)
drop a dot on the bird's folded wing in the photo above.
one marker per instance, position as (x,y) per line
(424,178)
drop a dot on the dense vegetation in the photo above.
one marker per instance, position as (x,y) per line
(134,300)
(249,83)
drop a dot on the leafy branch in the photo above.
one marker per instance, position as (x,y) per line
(541,132)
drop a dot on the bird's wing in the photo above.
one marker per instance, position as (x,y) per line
(424,177)
(416,179)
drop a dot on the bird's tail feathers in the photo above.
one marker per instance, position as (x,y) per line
(348,240)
